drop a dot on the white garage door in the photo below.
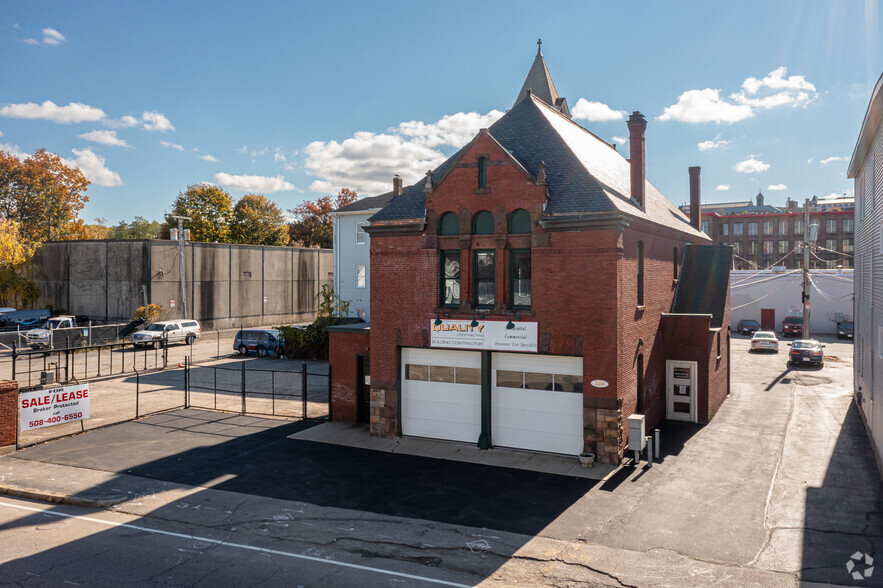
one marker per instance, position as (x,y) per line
(441,394)
(537,402)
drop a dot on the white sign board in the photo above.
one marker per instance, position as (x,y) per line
(488,335)
(43,408)
(795,310)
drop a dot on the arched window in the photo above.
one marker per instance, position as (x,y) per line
(482,173)
(483,223)
(640,273)
(675,262)
(449,224)
(640,406)
(519,222)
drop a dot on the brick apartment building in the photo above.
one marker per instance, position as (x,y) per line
(763,235)
(533,291)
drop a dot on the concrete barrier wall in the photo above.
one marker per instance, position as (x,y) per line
(226,285)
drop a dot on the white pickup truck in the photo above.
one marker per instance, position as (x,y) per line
(42,337)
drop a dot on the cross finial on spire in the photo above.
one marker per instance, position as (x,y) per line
(539,46)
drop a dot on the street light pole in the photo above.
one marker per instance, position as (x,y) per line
(805,298)
(181,220)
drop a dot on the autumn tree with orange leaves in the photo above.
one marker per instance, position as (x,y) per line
(313,225)
(258,221)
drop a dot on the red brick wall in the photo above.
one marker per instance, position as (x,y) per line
(719,369)
(343,349)
(8,412)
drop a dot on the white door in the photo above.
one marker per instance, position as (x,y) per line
(441,394)
(537,402)
(680,386)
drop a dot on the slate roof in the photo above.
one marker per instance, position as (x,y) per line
(367,203)
(584,174)
(539,82)
(703,282)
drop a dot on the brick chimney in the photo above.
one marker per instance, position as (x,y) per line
(695,203)
(396,185)
(637,125)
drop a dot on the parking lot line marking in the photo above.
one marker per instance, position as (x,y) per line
(262,550)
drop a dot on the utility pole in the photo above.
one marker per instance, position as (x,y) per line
(180,236)
(805,298)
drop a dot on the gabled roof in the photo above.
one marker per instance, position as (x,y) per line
(870,127)
(584,174)
(539,81)
(703,282)
(368,203)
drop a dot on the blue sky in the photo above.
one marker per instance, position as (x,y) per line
(295,100)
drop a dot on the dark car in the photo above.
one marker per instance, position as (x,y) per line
(806,352)
(792,326)
(262,342)
(845,330)
(747,327)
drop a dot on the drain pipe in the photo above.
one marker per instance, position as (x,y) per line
(656,444)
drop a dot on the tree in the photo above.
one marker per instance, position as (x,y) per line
(210,209)
(43,195)
(140,228)
(313,226)
(98,230)
(15,289)
(258,221)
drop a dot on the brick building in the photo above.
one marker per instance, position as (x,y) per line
(533,291)
(763,235)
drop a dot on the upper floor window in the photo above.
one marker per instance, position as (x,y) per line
(737,247)
(768,227)
(483,223)
(705,227)
(783,246)
(725,229)
(737,228)
(361,277)
(752,247)
(798,227)
(831,244)
(675,259)
(519,222)
(640,273)
(767,247)
(783,227)
(449,224)
(752,228)
(831,225)
(484,272)
(519,278)
(847,225)
(360,233)
(449,278)
(482,173)
(847,245)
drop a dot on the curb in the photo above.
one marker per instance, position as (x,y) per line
(43,496)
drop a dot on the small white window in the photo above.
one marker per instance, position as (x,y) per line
(360,233)
(360,276)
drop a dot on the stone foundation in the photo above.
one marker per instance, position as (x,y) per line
(603,433)
(8,413)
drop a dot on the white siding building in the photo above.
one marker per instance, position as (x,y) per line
(352,272)
(866,168)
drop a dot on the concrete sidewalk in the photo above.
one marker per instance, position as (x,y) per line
(358,436)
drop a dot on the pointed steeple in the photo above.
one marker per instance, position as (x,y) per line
(539,83)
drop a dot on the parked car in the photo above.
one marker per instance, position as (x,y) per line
(167,332)
(42,337)
(806,351)
(845,330)
(764,341)
(747,327)
(792,326)
(262,342)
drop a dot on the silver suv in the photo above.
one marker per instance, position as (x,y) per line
(166,332)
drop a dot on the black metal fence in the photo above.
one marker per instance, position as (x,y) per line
(302,394)
(116,400)
(36,367)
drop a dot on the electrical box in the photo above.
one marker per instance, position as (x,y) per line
(173,234)
(636,433)
(186,234)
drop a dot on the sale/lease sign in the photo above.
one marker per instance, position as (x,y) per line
(44,408)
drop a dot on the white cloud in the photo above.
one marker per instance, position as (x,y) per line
(51,38)
(711,144)
(105,138)
(366,162)
(596,111)
(777,187)
(453,130)
(828,160)
(722,187)
(208,158)
(278,155)
(1,133)
(16,25)
(773,91)
(169,145)
(155,121)
(809,161)
(14,150)
(92,166)
(751,166)
(261,184)
(74,112)
(620,140)
(123,123)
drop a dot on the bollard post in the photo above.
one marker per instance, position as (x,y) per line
(656,444)
(649,451)
(303,387)
(137,394)
(243,386)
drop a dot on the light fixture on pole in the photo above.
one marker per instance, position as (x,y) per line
(438,320)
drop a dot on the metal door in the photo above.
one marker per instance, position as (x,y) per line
(680,386)
(768,319)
